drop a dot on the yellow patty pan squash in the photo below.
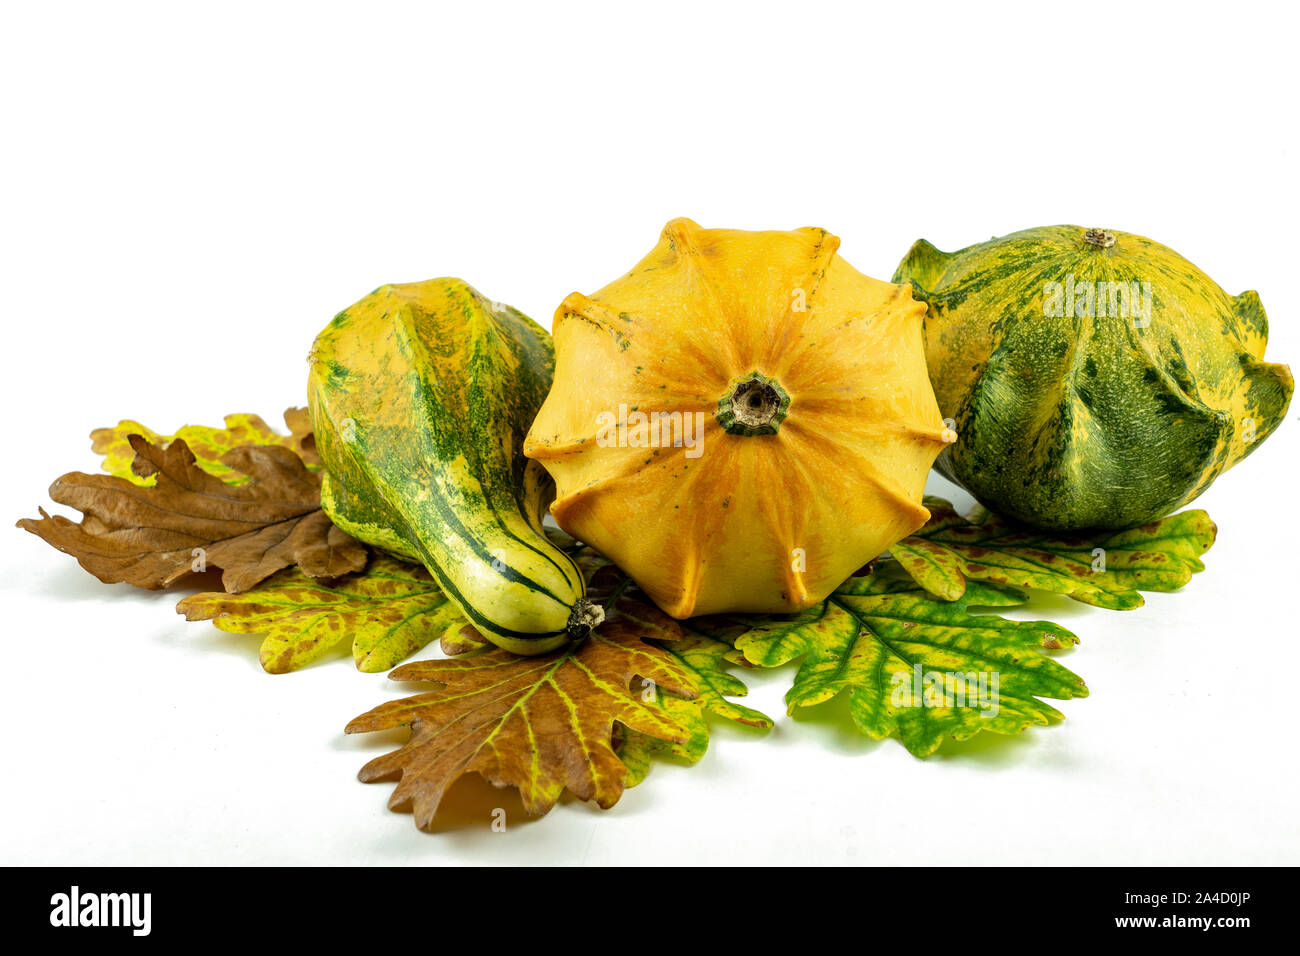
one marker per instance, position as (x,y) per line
(741,421)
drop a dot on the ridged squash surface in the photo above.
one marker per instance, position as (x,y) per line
(795,419)
(1096,379)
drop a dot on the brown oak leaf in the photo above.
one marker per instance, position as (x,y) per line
(540,724)
(152,536)
(207,443)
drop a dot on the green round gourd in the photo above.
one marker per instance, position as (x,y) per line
(1095,379)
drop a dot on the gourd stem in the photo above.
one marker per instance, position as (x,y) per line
(585,617)
(756,405)
(1099,237)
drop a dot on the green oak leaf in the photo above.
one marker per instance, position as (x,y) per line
(704,658)
(881,638)
(387,612)
(638,751)
(1105,569)
(207,443)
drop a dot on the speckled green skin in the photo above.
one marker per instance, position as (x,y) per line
(1074,421)
(420,397)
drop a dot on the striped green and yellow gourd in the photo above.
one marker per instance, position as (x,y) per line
(420,396)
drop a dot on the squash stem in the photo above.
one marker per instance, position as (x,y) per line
(586,616)
(755,405)
(1099,237)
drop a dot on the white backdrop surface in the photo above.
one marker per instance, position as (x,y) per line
(189,194)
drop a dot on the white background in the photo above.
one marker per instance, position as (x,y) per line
(189,196)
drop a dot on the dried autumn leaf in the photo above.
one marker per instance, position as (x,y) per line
(589,718)
(152,537)
(207,444)
(1105,570)
(453,642)
(695,645)
(638,751)
(704,658)
(540,724)
(387,612)
(912,664)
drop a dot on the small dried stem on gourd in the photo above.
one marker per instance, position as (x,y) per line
(1099,237)
(755,403)
(585,617)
